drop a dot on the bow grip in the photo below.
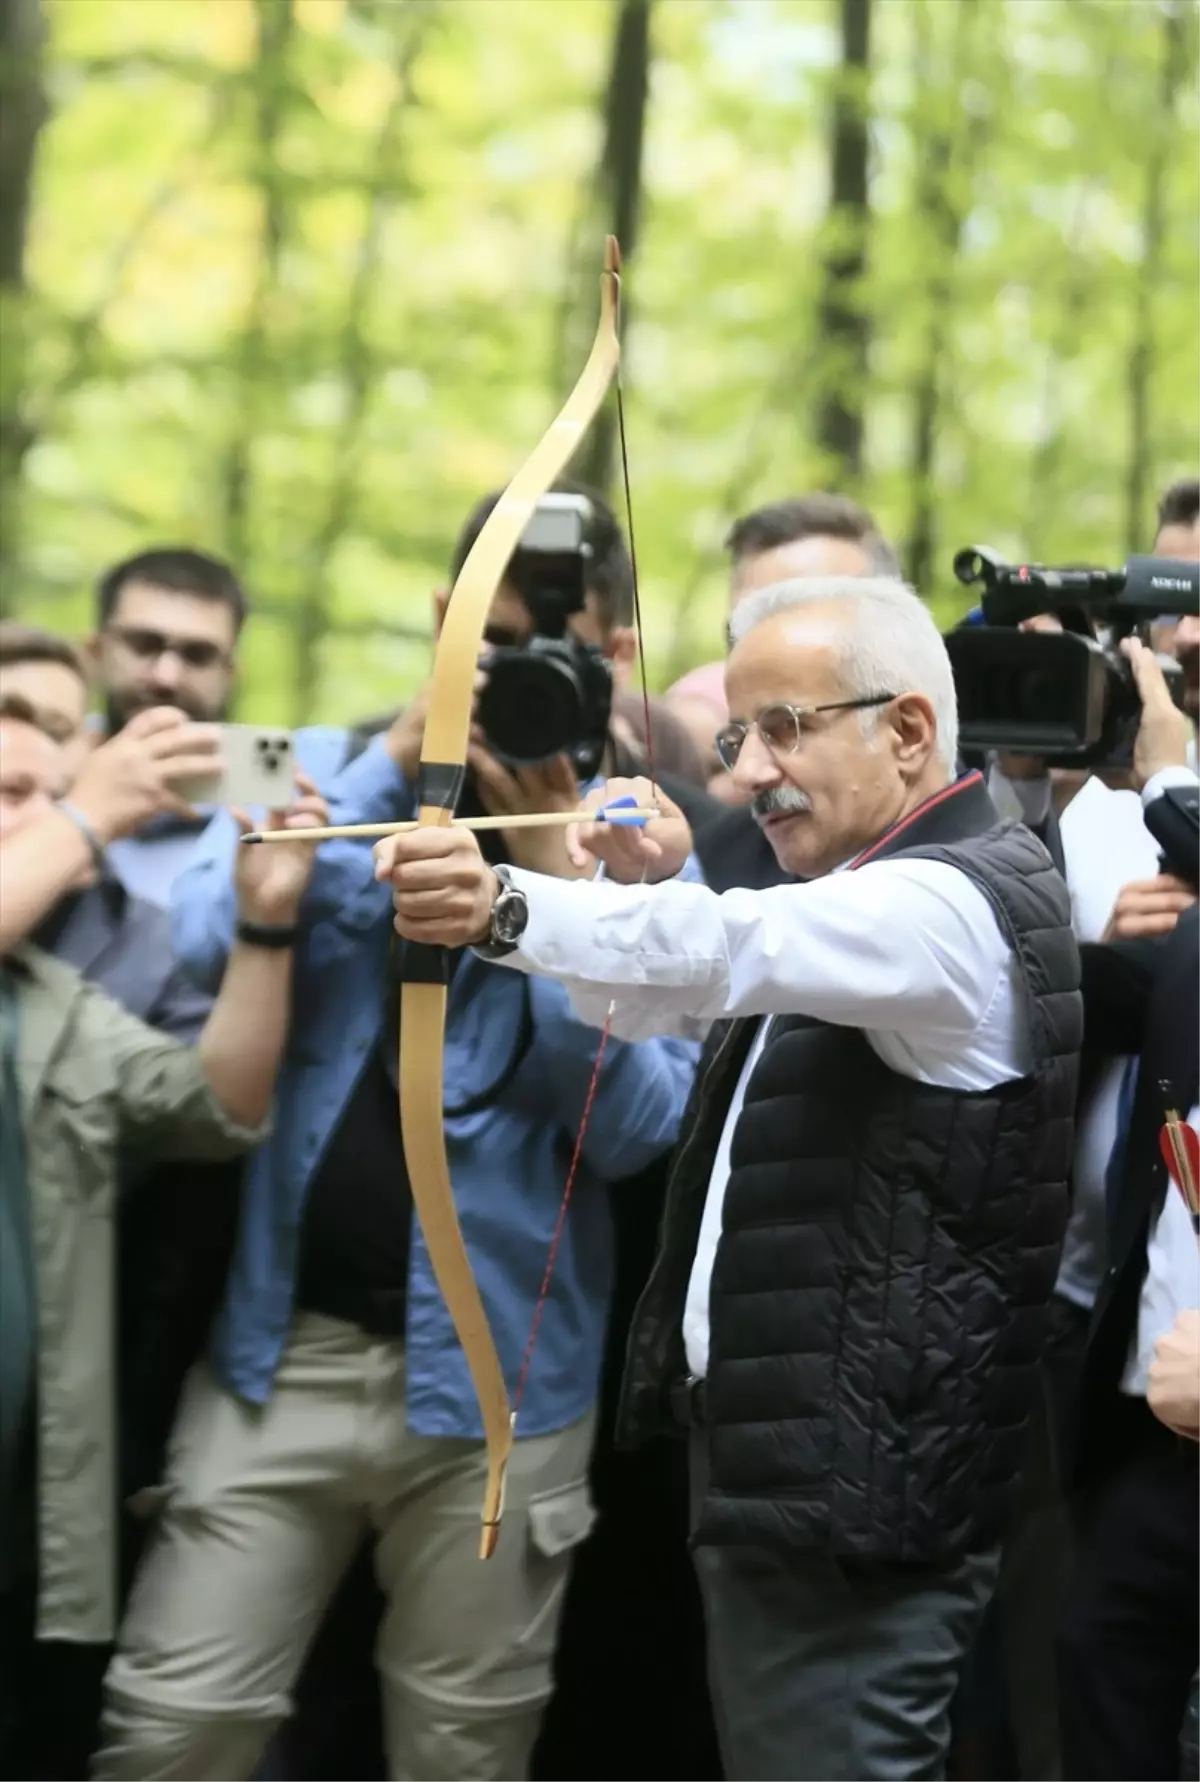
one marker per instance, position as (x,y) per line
(440,784)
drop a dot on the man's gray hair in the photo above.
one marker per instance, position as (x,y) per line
(888,642)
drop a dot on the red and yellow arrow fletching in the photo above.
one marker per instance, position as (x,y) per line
(1180,1147)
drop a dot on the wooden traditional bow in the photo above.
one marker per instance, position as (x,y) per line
(424,969)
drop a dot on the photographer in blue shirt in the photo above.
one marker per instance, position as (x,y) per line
(337,1398)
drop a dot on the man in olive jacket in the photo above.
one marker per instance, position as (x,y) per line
(81,1082)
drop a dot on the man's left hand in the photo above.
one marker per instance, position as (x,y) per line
(271,876)
(1164,733)
(520,791)
(442,887)
(1173,1387)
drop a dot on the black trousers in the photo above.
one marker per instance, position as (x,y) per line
(834,1670)
(1006,1715)
(49,1696)
(1131,1631)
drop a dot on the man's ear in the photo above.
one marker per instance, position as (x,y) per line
(621,651)
(441,600)
(91,650)
(915,729)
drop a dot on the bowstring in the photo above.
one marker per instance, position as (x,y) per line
(560,1223)
(637,595)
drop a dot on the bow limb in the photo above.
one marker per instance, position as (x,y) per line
(424,971)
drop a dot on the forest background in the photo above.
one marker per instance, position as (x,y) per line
(296,281)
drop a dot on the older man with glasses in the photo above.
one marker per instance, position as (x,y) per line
(865,1216)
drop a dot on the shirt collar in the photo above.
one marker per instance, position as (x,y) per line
(952,813)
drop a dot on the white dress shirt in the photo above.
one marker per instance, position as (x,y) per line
(908,951)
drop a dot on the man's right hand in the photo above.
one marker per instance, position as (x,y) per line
(1148,908)
(632,856)
(128,779)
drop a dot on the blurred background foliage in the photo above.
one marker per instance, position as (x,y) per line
(296,281)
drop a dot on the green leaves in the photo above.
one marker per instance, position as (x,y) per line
(307,279)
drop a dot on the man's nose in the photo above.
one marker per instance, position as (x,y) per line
(168,671)
(756,767)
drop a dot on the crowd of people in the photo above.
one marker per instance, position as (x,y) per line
(859,1438)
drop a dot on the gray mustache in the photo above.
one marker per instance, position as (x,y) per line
(788,799)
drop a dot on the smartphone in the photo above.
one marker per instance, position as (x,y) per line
(259,770)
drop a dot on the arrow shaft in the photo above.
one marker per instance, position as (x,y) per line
(621,818)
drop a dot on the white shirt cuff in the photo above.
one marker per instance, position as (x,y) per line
(1163,780)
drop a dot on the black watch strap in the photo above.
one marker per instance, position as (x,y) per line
(267,934)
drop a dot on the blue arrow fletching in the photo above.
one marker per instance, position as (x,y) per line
(610,813)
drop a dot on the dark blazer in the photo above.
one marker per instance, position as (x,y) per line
(1173,819)
(1145,996)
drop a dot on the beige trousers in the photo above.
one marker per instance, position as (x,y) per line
(264,1510)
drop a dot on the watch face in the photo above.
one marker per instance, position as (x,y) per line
(509,916)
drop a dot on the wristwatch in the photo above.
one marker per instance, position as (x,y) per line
(510,918)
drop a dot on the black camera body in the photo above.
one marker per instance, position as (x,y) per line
(553,694)
(1064,695)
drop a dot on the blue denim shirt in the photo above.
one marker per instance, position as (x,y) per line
(508,1162)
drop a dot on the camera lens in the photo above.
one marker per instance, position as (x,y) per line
(532,706)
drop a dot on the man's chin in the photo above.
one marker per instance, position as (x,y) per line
(793,842)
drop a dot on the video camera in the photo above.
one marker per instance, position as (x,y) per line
(553,694)
(1068,696)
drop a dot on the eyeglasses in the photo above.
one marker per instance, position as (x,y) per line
(194,652)
(781,727)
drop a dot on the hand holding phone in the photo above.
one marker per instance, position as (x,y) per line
(257,768)
(137,774)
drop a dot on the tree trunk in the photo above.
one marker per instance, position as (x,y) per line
(943,200)
(844,323)
(1141,358)
(620,194)
(276,23)
(23,111)
(355,368)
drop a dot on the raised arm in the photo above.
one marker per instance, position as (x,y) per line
(120,786)
(214,1098)
(370,788)
(897,945)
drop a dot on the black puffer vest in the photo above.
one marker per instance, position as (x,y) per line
(888,1251)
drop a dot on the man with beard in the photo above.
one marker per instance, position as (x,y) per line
(863,1225)
(168,622)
